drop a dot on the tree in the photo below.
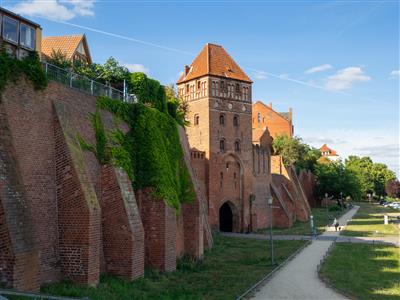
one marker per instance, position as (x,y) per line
(59,59)
(295,152)
(177,107)
(372,176)
(333,178)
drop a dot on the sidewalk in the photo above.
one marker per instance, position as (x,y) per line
(299,279)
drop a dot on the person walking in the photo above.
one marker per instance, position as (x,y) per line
(336,225)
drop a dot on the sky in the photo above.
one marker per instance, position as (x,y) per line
(336,63)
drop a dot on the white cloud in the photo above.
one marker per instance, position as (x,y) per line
(283,76)
(137,68)
(345,78)
(318,69)
(395,73)
(60,10)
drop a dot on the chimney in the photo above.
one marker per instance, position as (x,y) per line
(270,105)
(290,113)
(187,69)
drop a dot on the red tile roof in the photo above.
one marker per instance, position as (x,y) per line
(66,44)
(214,60)
(325,148)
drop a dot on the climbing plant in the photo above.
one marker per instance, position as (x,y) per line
(12,68)
(151,150)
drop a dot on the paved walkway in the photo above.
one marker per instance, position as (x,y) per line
(299,279)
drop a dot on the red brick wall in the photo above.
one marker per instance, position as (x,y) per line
(159,223)
(19,255)
(276,124)
(123,234)
(78,210)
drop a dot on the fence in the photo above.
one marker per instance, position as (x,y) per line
(84,84)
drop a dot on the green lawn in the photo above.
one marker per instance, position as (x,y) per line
(228,270)
(369,221)
(364,271)
(321,217)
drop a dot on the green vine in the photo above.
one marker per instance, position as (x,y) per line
(151,150)
(11,68)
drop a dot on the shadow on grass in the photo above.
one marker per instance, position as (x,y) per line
(364,271)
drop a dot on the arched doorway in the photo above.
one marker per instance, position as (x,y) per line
(228,217)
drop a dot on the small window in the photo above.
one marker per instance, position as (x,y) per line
(187,88)
(234,175)
(235,120)
(222,120)
(198,85)
(237,88)
(259,118)
(196,120)
(222,145)
(237,146)
(221,175)
(27,36)
(222,85)
(10,29)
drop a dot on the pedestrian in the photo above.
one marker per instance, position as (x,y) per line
(336,226)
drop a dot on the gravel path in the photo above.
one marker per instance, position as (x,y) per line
(299,279)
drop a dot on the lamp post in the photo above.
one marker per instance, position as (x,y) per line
(326,207)
(313,233)
(271,243)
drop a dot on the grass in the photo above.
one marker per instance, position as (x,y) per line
(364,271)
(368,221)
(228,270)
(304,228)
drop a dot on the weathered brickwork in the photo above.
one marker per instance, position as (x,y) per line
(159,223)
(123,234)
(84,216)
(307,180)
(19,256)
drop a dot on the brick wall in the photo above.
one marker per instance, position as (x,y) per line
(19,255)
(159,223)
(123,233)
(78,208)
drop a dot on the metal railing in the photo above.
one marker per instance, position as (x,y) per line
(85,84)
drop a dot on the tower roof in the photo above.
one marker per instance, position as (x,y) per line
(214,60)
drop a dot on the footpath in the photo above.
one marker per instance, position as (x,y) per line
(298,279)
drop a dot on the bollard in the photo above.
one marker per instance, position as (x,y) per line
(385,219)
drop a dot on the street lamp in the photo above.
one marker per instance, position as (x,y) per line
(313,233)
(326,206)
(271,243)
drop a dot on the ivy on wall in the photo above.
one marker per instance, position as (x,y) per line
(150,152)
(12,68)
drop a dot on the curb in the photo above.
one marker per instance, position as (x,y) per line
(36,296)
(267,277)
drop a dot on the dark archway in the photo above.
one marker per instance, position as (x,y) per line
(225,218)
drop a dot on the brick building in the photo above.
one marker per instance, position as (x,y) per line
(219,95)
(276,123)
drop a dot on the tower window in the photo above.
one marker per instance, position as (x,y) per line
(198,85)
(235,120)
(237,146)
(222,145)
(237,88)
(259,118)
(187,88)
(221,119)
(196,119)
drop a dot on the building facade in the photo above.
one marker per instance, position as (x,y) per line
(266,118)
(328,153)
(18,36)
(219,94)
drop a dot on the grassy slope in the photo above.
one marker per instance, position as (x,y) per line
(303,228)
(369,222)
(364,271)
(233,265)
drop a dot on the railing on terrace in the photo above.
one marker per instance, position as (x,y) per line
(84,84)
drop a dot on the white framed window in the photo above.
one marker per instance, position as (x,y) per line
(27,36)
(10,29)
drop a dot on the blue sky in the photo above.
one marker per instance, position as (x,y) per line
(336,63)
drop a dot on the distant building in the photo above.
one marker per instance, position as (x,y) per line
(328,153)
(266,118)
(18,36)
(74,47)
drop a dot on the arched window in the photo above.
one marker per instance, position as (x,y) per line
(222,119)
(237,146)
(222,145)
(196,119)
(235,120)
(259,118)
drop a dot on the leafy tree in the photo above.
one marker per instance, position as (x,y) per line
(295,152)
(334,178)
(59,59)
(177,108)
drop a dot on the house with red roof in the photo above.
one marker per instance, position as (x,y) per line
(329,153)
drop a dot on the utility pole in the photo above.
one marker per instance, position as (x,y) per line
(271,242)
